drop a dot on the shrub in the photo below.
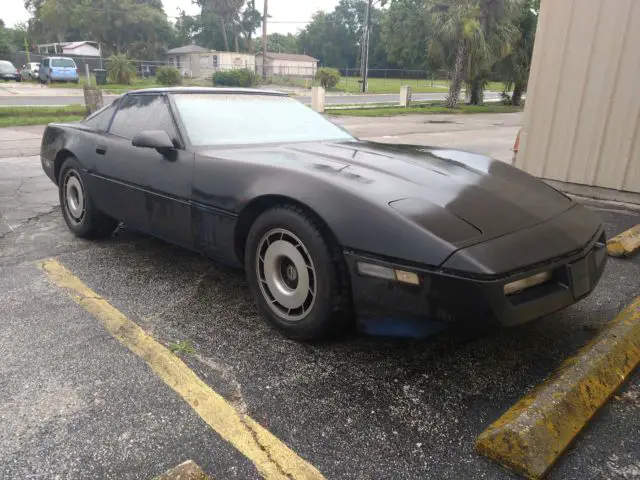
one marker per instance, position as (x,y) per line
(236,78)
(121,69)
(328,77)
(168,76)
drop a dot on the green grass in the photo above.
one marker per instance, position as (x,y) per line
(392,85)
(425,109)
(38,120)
(184,347)
(18,116)
(379,85)
(41,111)
(495,86)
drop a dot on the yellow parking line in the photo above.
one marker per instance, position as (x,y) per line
(272,458)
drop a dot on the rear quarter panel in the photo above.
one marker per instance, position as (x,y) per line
(60,140)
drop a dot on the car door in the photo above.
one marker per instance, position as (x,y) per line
(143,187)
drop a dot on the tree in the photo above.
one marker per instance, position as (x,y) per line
(227,12)
(121,69)
(249,23)
(455,26)
(5,45)
(515,68)
(282,43)
(476,34)
(497,25)
(335,38)
(137,27)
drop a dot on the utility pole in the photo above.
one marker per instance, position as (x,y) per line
(365,49)
(264,39)
(26,44)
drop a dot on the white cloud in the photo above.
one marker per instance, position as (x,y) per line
(13,12)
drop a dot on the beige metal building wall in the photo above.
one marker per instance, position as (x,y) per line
(582,114)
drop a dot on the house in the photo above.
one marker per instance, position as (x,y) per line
(287,64)
(80,49)
(84,49)
(186,59)
(199,62)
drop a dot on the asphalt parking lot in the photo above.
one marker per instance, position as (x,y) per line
(74,403)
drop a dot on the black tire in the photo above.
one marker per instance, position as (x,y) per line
(327,312)
(85,220)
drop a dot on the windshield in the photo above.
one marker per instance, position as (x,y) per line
(63,62)
(7,67)
(246,119)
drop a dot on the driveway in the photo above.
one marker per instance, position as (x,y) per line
(75,403)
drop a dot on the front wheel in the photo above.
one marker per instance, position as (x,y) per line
(295,271)
(82,217)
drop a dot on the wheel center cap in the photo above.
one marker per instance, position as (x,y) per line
(292,273)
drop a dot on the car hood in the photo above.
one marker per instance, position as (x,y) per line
(490,195)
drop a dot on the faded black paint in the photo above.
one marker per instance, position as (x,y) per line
(429,209)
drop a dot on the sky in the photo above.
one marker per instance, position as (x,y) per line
(294,14)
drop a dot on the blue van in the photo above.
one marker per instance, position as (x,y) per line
(58,69)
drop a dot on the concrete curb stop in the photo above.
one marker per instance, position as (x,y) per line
(185,471)
(624,244)
(532,434)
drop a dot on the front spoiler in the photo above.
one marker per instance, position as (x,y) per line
(449,298)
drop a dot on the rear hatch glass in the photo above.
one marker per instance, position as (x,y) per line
(63,63)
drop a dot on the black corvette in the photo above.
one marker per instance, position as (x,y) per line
(325,225)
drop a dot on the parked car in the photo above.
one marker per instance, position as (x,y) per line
(58,69)
(30,71)
(324,224)
(9,72)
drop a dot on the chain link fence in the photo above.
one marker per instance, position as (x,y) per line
(381,80)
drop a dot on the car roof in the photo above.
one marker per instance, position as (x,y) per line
(65,58)
(219,90)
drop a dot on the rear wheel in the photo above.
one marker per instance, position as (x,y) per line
(296,273)
(78,209)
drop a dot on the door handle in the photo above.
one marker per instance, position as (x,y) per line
(101,149)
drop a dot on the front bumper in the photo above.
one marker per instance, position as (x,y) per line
(448,297)
(11,76)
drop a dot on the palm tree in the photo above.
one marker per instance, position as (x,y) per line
(457,26)
(497,33)
(227,11)
(515,67)
(480,33)
(251,20)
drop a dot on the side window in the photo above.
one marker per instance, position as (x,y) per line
(142,112)
(45,62)
(100,120)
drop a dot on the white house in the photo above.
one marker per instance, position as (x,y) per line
(83,49)
(199,62)
(287,64)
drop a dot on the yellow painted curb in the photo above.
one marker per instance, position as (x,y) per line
(531,435)
(271,457)
(188,470)
(624,244)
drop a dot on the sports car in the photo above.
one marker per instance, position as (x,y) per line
(329,229)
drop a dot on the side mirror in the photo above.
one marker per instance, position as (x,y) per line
(158,139)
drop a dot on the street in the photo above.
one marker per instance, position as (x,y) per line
(75,403)
(32,94)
